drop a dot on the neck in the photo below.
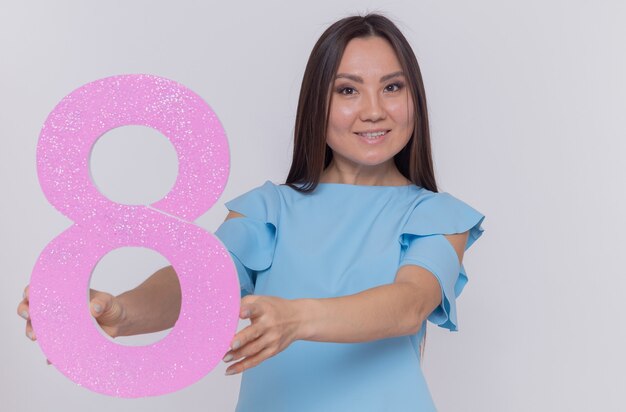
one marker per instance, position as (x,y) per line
(389,176)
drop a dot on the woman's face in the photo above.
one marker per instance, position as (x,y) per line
(371,111)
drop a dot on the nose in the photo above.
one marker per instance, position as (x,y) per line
(372,108)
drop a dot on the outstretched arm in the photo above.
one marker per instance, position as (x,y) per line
(155,304)
(152,306)
(396,309)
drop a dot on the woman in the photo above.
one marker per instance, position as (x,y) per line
(341,266)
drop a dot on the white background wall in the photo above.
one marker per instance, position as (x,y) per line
(526,104)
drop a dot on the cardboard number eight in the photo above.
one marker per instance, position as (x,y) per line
(60,279)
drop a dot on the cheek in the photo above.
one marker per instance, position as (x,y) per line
(341,117)
(402,114)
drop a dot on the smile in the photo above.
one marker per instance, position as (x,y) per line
(373,136)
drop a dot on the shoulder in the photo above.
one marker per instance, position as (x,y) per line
(262,203)
(428,199)
(442,213)
(435,206)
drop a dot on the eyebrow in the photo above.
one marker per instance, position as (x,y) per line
(359,79)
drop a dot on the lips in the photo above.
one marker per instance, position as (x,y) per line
(373,136)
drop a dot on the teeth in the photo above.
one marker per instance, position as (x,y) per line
(372,135)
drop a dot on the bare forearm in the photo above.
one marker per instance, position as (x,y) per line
(391,310)
(152,306)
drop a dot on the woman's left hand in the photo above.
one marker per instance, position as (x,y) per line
(275,324)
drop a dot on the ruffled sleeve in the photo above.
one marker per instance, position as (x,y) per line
(423,244)
(251,240)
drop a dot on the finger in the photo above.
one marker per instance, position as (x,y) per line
(247,334)
(250,310)
(249,299)
(22,309)
(30,333)
(99,304)
(250,349)
(111,331)
(25,294)
(250,307)
(245,313)
(250,362)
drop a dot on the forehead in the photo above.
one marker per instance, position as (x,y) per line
(365,55)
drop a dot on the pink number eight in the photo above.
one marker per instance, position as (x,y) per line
(60,279)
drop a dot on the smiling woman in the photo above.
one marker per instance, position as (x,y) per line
(371,113)
(362,77)
(340,267)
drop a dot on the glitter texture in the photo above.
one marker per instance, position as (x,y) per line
(60,280)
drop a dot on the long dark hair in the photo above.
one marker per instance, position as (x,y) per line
(311,154)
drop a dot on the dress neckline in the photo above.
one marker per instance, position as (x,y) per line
(351,185)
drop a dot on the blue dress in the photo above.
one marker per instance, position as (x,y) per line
(340,240)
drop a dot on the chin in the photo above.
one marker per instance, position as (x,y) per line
(374,162)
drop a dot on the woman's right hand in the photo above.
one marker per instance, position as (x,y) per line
(104,307)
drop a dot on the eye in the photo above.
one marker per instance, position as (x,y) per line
(346,90)
(394,87)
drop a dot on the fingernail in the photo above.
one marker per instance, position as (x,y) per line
(236,344)
(97,308)
(24,314)
(229,372)
(228,358)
